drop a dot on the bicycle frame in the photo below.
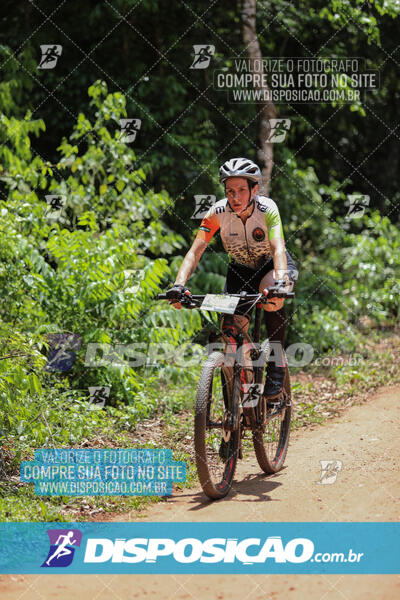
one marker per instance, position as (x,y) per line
(237,368)
(254,416)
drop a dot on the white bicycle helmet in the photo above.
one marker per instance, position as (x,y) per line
(240,167)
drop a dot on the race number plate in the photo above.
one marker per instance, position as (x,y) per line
(220,303)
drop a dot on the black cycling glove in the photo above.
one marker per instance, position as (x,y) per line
(175,293)
(280,283)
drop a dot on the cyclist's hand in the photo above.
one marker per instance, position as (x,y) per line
(276,303)
(175,293)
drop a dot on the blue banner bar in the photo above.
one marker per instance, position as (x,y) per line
(302,548)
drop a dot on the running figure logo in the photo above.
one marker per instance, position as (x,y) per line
(129,129)
(203,54)
(279,129)
(252,393)
(50,55)
(289,275)
(55,206)
(357,206)
(99,395)
(62,542)
(203,205)
(329,471)
(62,351)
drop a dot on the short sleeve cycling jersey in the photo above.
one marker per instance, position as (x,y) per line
(247,243)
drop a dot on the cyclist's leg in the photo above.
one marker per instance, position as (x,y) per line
(239,278)
(276,328)
(276,320)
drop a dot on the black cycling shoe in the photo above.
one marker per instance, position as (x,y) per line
(273,387)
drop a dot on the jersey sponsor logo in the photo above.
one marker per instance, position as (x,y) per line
(202,228)
(258,234)
(219,209)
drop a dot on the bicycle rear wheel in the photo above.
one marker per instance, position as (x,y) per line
(271,439)
(216,402)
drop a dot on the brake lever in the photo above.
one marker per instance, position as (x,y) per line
(187,300)
(278,292)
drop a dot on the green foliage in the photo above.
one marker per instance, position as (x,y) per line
(210,274)
(348,276)
(188,128)
(20,366)
(95,268)
(92,270)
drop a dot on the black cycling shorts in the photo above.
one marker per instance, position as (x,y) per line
(240,278)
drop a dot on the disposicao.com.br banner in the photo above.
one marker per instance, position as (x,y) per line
(89,548)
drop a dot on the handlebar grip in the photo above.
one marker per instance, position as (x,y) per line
(161,297)
(277,294)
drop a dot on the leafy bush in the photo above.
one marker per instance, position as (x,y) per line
(354,275)
(90,269)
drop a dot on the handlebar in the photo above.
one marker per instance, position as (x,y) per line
(189,300)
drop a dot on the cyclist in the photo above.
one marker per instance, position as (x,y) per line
(251,233)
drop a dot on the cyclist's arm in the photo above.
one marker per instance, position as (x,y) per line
(279,257)
(277,240)
(208,228)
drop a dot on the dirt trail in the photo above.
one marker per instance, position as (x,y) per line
(365,438)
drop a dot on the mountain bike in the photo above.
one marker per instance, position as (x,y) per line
(230,398)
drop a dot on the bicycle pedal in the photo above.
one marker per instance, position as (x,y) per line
(275,403)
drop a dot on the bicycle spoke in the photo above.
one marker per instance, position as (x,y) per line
(215,457)
(271,440)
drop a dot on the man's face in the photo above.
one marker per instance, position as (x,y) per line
(238,193)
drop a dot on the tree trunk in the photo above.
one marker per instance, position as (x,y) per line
(265,108)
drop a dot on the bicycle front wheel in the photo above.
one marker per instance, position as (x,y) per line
(271,439)
(216,446)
